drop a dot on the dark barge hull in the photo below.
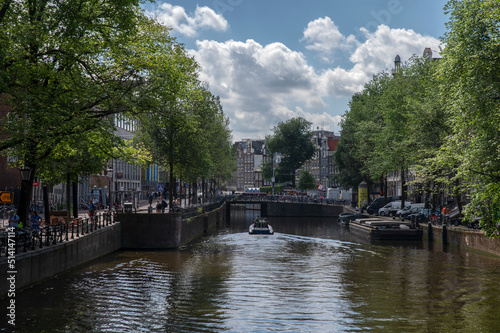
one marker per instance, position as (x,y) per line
(385,233)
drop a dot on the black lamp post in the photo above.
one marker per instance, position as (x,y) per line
(24,205)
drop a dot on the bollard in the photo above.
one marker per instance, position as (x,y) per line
(430,233)
(47,236)
(25,249)
(40,237)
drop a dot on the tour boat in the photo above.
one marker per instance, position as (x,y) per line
(260,227)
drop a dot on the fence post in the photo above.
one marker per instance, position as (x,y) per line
(47,235)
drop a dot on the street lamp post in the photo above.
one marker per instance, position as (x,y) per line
(24,205)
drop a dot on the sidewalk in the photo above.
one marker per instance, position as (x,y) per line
(143,206)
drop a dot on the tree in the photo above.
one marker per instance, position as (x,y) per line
(292,139)
(357,156)
(64,70)
(470,87)
(306,181)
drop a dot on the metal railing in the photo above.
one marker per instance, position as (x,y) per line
(202,209)
(17,240)
(288,198)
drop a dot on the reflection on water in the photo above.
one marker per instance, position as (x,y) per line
(308,277)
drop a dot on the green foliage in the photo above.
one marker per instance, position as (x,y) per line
(65,70)
(269,189)
(439,118)
(68,68)
(306,181)
(292,139)
(470,89)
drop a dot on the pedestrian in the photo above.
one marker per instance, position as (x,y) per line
(444,214)
(13,219)
(158,206)
(35,220)
(163,205)
(91,209)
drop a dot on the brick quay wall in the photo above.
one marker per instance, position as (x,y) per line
(35,266)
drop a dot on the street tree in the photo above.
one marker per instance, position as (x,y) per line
(470,89)
(306,181)
(356,155)
(292,139)
(64,71)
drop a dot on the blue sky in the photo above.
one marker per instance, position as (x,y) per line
(273,60)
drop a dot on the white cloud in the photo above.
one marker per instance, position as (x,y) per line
(181,22)
(374,55)
(380,48)
(258,84)
(261,85)
(324,36)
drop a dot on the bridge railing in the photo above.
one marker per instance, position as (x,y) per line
(201,209)
(289,198)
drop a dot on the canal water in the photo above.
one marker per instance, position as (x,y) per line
(310,276)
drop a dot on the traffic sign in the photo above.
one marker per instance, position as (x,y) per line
(6,197)
(160,188)
(36,184)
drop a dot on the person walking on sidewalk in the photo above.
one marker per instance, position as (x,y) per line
(13,219)
(91,209)
(164,205)
(444,215)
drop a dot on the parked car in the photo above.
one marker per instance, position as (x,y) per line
(384,211)
(422,215)
(396,205)
(380,202)
(406,215)
(407,208)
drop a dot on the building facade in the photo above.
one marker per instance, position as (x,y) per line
(322,166)
(250,155)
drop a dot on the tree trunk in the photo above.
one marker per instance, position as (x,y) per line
(68,194)
(456,192)
(385,188)
(75,200)
(25,196)
(403,192)
(171,185)
(203,190)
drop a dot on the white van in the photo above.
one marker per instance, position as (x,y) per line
(410,206)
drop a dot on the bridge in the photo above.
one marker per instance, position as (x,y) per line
(288,206)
